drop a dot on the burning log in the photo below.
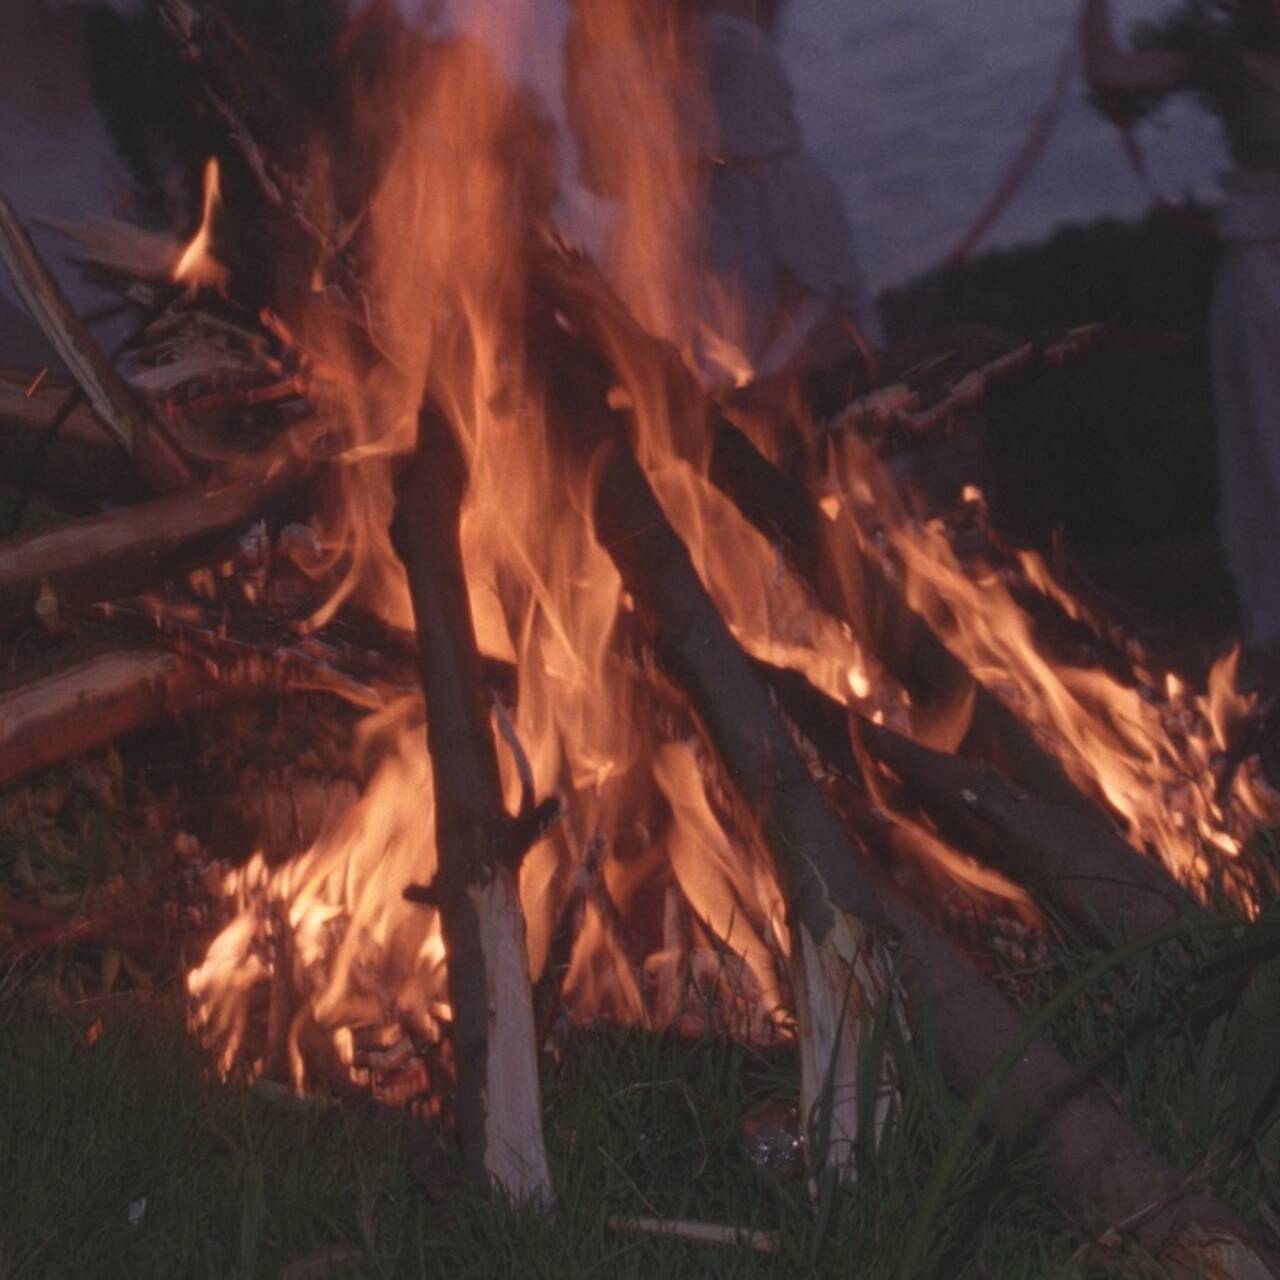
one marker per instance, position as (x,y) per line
(782,508)
(92,703)
(1097,880)
(898,636)
(1071,862)
(158,459)
(123,552)
(1105,1174)
(834,913)
(479,845)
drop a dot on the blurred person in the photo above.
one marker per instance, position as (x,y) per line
(780,286)
(1228,51)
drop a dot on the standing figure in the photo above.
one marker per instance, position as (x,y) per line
(1229,52)
(777,283)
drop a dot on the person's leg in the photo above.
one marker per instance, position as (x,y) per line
(1246,376)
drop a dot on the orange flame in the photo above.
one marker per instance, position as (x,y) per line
(1147,753)
(197,268)
(663,893)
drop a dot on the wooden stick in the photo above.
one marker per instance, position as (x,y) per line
(475,890)
(833,912)
(158,459)
(859,591)
(83,463)
(698,1232)
(133,548)
(92,703)
(1105,1174)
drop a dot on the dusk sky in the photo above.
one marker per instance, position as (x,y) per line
(915,106)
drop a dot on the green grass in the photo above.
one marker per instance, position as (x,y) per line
(238,1184)
(241,1184)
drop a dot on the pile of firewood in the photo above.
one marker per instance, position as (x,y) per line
(199,582)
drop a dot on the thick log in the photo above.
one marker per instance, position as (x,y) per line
(159,461)
(131,549)
(834,913)
(477,841)
(1104,1173)
(1098,881)
(83,463)
(92,703)
(1074,864)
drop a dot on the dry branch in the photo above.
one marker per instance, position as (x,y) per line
(126,551)
(1105,1174)
(882,619)
(82,463)
(92,703)
(477,841)
(157,458)
(1070,861)
(698,1232)
(833,912)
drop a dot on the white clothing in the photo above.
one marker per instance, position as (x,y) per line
(771,205)
(1245,340)
(773,234)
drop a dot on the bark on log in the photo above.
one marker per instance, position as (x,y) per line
(126,551)
(158,459)
(1071,862)
(498,1098)
(1104,1173)
(1104,886)
(93,703)
(834,913)
(83,463)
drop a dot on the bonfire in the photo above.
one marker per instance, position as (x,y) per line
(668,713)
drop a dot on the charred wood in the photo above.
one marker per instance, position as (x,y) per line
(908,648)
(782,508)
(835,915)
(1105,887)
(1072,863)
